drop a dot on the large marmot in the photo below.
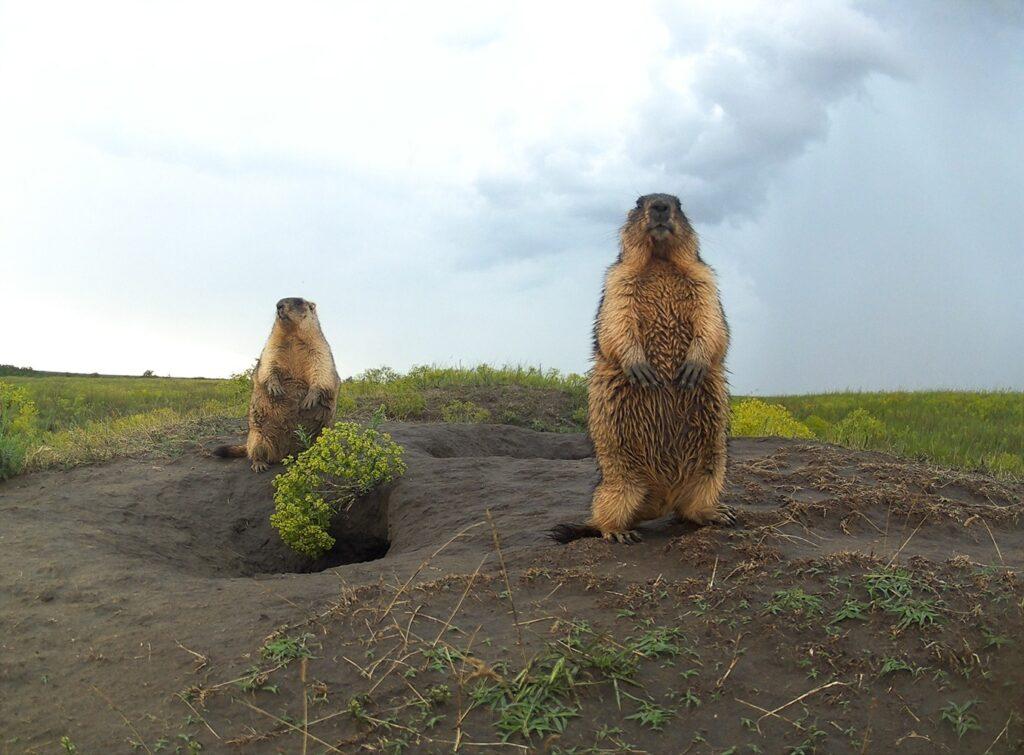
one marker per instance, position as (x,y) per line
(294,386)
(659,403)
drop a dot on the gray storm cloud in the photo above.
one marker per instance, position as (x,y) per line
(727,104)
(447,182)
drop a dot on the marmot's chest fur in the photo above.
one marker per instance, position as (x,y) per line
(665,302)
(296,358)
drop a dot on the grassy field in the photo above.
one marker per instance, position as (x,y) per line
(79,419)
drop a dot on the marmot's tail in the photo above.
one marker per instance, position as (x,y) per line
(229,452)
(567,532)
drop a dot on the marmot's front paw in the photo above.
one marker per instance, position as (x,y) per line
(312,398)
(642,374)
(628,537)
(690,374)
(275,389)
(260,466)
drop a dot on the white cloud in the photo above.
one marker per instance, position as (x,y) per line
(445,178)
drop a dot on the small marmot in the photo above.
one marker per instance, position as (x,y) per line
(294,385)
(659,402)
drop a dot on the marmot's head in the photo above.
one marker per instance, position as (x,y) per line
(658,223)
(295,312)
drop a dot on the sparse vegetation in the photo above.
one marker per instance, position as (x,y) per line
(82,419)
(17,428)
(967,430)
(464,411)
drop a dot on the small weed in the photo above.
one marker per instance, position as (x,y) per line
(993,640)
(794,600)
(690,699)
(536,701)
(650,715)
(442,658)
(892,590)
(851,609)
(287,649)
(656,642)
(255,680)
(959,717)
(915,612)
(68,745)
(809,744)
(357,709)
(892,665)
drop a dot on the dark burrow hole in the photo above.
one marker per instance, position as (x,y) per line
(360,533)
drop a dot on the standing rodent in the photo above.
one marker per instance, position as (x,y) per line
(659,402)
(294,385)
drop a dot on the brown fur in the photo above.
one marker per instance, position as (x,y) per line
(294,385)
(659,402)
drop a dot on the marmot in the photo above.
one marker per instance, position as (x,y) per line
(294,385)
(659,402)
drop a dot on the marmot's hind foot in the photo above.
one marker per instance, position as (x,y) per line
(628,537)
(723,515)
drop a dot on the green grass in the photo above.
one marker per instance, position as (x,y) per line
(93,418)
(65,402)
(967,430)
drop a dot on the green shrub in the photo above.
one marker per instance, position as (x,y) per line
(579,416)
(818,425)
(858,429)
(346,462)
(346,405)
(378,375)
(753,417)
(402,402)
(240,385)
(464,411)
(17,428)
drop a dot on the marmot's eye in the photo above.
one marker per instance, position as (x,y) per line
(640,202)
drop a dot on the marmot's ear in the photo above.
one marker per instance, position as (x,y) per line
(312,305)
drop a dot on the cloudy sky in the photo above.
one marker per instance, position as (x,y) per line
(446,180)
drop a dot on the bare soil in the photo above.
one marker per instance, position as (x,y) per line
(147,605)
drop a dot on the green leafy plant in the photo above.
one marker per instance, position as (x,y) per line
(285,649)
(893,591)
(650,715)
(536,701)
(851,609)
(17,428)
(757,418)
(346,462)
(793,600)
(960,717)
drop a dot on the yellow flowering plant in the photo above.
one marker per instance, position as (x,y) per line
(345,463)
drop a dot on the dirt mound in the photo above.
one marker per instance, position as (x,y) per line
(128,582)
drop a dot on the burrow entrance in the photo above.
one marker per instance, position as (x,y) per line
(360,534)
